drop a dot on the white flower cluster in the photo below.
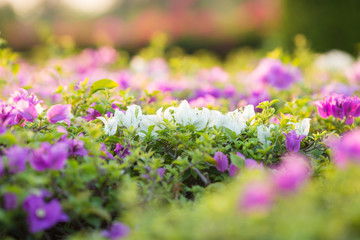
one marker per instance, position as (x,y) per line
(183,114)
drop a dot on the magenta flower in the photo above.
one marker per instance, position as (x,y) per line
(117,230)
(275,73)
(233,170)
(92,114)
(292,173)
(9,116)
(25,104)
(292,141)
(339,106)
(26,110)
(76,147)
(257,196)
(257,97)
(121,151)
(59,113)
(347,149)
(17,158)
(2,169)
(43,215)
(222,162)
(49,156)
(10,201)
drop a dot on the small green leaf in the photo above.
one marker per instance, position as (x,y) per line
(102,85)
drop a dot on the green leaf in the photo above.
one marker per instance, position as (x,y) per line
(102,85)
(237,160)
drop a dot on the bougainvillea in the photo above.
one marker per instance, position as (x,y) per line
(94,145)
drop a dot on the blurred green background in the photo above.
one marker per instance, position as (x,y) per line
(191,24)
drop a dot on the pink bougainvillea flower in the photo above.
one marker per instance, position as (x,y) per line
(58,113)
(257,196)
(222,162)
(2,169)
(26,110)
(28,106)
(346,149)
(339,106)
(292,172)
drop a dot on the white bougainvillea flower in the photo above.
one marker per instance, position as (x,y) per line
(303,127)
(151,120)
(216,119)
(264,133)
(132,117)
(248,113)
(235,125)
(110,125)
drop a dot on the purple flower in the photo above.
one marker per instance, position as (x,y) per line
(10,201)
(121,151)
(25,104)
(92,114)
(292,141)
(275,73)
(8,115)
(222,162)
(43,215)
(160,172)
(103,149)
(2,169)
(17,158)
(76,147)
(257,97)
(347,149)
(117,230)
(26,110)
(339,106)
(49,156)
(59,113)
(292,173)
(257,196)
(233,170)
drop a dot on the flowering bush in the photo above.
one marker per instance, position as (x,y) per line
(102,148)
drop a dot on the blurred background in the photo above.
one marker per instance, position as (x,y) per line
(214,25)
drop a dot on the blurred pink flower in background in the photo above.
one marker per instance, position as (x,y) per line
(292,172)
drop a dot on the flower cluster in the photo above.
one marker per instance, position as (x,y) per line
(184,115)
(340,107)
